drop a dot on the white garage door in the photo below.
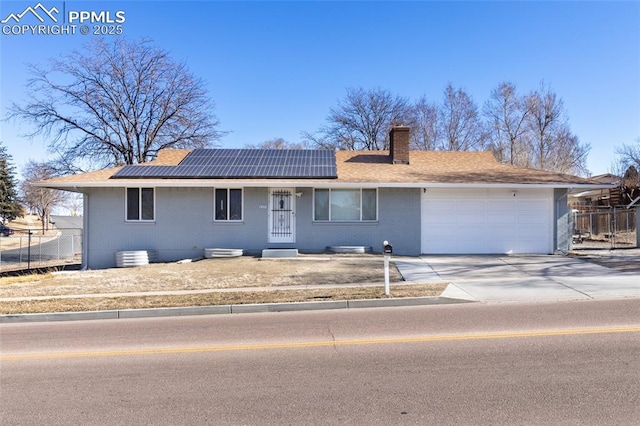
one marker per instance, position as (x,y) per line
(487,221)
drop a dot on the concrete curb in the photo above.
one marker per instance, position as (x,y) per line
(229,309)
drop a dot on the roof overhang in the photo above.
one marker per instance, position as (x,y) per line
(302,183)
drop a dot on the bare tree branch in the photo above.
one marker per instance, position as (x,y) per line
(117,103)
(507,114)
(425,134)
(460,122)
(362,120)
(279,143)
(628,155)
(41,200)
(553,145)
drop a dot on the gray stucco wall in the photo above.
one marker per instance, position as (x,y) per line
(184,225)
(398,222)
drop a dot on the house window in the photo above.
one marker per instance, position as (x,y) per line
(345,205)
(228,204)
(140,204)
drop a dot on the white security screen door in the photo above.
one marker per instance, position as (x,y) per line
(282,215)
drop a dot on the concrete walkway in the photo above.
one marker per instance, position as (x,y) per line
(521,278)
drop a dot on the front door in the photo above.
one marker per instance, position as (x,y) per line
(282,215)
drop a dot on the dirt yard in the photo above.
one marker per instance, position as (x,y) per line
(239,272)
(226,281)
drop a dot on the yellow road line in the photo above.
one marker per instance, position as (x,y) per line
(316,344)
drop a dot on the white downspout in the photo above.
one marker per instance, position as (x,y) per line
(85,232)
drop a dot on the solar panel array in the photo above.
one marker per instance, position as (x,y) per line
(242,163)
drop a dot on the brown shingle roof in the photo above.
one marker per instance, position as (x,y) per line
(446,167)
(166,157)
(169,157)
(375,167)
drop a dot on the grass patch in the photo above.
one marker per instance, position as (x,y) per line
(216,298)
(28,278)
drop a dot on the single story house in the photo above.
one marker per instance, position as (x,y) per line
(421,202)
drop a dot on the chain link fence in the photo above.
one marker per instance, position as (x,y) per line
(30,250)
(615,228)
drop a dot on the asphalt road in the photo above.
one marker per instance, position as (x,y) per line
(569,363)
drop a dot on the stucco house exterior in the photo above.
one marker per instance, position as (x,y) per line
(422,202)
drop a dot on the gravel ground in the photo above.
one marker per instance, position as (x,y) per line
(623,258)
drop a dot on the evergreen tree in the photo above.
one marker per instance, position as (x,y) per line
(10,206)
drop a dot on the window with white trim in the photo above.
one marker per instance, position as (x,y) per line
(345,205)
(140,204)
(227,204)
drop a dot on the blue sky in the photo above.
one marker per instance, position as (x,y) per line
(274,69)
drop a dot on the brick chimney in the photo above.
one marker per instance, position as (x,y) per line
(399,144)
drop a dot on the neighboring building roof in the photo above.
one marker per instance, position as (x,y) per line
(607,178)
(373,168)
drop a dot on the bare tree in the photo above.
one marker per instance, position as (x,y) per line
(362,120)
(629,155)
(116,103)
(569,155)
(462,128)
(530,131)
(627,165)
(507,113)
(425,133)
(278,143)
(546,116)
(554,147)
(38,199)
(74,203)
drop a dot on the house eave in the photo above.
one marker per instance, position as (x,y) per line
(236,183)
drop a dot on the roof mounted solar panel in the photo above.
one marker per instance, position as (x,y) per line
(241,164)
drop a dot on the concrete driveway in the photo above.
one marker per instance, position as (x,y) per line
(521,278)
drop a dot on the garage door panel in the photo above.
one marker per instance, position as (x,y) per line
(506,231)
(446,245)
(501,219)
(471,205)
(468,219)
(467,232)
(498,206)
(532,245)
(532,232)
(532,205)
(500,245)
(532,219)
(484,226)
(436,234)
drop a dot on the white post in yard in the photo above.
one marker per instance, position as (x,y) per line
(387,250)
(386,275)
